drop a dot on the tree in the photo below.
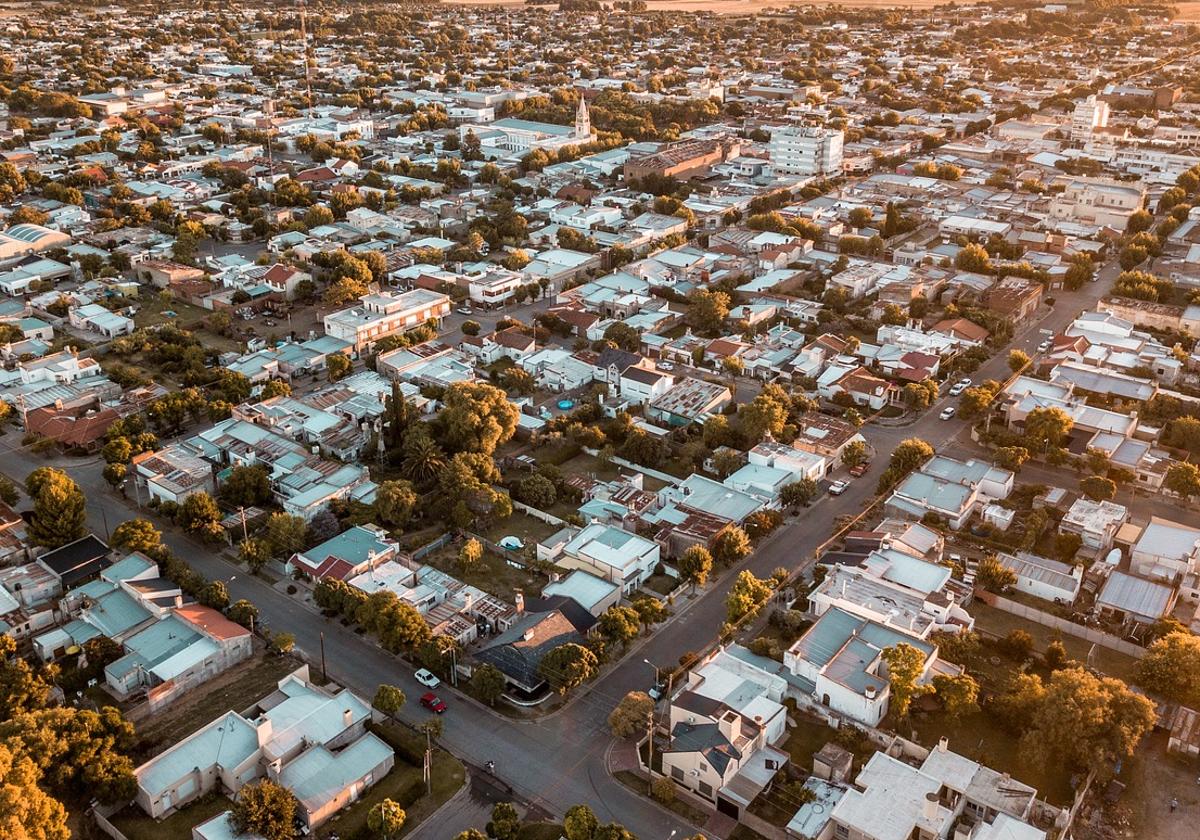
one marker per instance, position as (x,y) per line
(568,666)
(114,474)
(1011,457)
(265,808)
(285,534)
(746,597)
(707,310)
(214,595)
(471,834)
(395,502)
(505,823)
(632,715)
(476,417)
(695,565)
(388,699)
(136,535)
(255,553)
(1018,360)
(423,459)
(199,514)
(973,257)
(619,625)
(385,819)
(1056,656)
(765,413)
(1098,488)
(246,486)
(21,688)
(488,683)
(730,546)
(1086,722)
(624,336)
(905,665)
(854,453)
(727,461)
(1183,478)
(59,508)
(337,366)
(994,576)
(909,455)
(1047,427)
(1171,667)
(243,612)
(28,812)
(580,823)
(1018,644)
(959,694)
(282,643)
(649,610)
(470,556)
(536,491)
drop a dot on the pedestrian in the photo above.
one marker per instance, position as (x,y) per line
(1174,804)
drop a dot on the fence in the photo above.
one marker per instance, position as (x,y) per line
(548,518)
(1046,619)
(431,547)
(101,814)
(621,462)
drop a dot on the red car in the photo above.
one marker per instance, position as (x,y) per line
(433,703)
(859,470)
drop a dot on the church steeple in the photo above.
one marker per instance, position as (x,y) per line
(583,122)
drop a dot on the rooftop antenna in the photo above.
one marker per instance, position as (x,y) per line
(269,109)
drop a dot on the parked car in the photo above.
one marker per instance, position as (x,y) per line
(860,469)
(957,388)
(837,488)
(666,366)
(1045,346)
(947,412)
(433,703)
(657,692)
(463,310)
(427,678)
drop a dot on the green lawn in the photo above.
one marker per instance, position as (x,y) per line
(135,825)
(493,574)
(638,785)
(529,530)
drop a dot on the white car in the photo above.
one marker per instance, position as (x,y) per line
(1045,346)
(947,412)
(957,388)
(666,366)
(463,310)
(427,678)
(837,488)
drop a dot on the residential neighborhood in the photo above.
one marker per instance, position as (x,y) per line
(599,420)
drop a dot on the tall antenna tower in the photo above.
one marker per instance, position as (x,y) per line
(269,109)
(304,41)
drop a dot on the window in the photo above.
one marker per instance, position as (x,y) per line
(677,774)
(706,789)
(841,832)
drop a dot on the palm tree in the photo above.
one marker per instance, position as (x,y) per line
(423,458)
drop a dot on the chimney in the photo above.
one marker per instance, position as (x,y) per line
(869,692)
(468,601)
(528,634)
(178,601)
(264,730)
(943,744)
(930,811)
(519,601)
(730,725)
(347,718)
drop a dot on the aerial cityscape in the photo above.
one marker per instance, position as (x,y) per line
(599,420)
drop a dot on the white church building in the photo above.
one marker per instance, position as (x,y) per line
(511,136)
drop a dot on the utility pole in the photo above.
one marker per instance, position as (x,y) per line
(428,767)
(324,673)
(242,511)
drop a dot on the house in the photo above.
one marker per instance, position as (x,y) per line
(1099,202)
(22,239)
(306,738)
(826,436)
(594,594)
(797,462)
(77,562)
(949,488)
(173,473)
(1042,577)
(386,313)
(352,552)
(949,796)
(840,658)
(1014,298)
(689,401)
(79,423)
(1096,523)
(1165,549)
(540,627)
(611,554)
(1135,600)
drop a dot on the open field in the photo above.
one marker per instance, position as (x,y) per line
(739,7)
(1188,11)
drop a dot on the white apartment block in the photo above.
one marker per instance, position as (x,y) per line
(806,150)
(386,313)
(1090,114)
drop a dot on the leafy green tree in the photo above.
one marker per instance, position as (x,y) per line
(488,683)
(476,417)
(568,666)
(136,535)
(29,812)
(1018,360)
(505,823)
(619,625)
(243,612)
(282,643)
(423,458)
(1098,488)
(580,823)
(199,514)
(707,310)
(59,508)
(730,546)
(255,553)
(285,534)
(385,819)
(1183,478)
(1171,667)
(905,665)
(389,699)
(337,366)
(267,808)
(632,715)
(993,576)
(395,502)
(214,595)
(854,453)
(470,556)
(1047,427)
(959,694)
(695,565)
(746,597)
(246,486)
(1011,457)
